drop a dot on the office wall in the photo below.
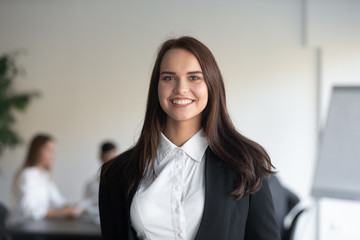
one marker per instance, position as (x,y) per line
(92,62)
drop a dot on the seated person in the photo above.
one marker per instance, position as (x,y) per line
(107,152)
(35,194)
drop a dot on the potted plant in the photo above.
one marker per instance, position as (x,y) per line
(10,101)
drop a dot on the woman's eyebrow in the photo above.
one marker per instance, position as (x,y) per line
(195,72)
(166,72)
(173,73)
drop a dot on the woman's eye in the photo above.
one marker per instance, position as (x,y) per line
(194,78)
(168,78)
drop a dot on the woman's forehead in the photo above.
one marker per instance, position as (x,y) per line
(179,60)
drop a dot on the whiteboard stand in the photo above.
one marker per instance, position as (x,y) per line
(338,160)
(317,218)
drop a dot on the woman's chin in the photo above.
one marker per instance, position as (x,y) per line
(184,119)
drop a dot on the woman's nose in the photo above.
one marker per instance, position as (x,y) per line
(181,86)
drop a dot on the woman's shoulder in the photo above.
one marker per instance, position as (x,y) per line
(29,175)
(31,172)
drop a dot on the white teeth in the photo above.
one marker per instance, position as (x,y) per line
(182,101)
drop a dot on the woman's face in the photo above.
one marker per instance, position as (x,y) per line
(47,155)
(183,93)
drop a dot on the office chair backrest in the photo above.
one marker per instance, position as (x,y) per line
(3,214)
(284,200)
(289,233)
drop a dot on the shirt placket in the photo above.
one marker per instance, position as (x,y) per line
(177,193)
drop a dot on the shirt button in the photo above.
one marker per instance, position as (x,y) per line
(177,188)
(178,166)
(177,210)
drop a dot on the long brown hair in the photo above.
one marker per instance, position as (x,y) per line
(248,160)
(33,154)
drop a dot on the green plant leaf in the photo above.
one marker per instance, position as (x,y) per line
(9,101)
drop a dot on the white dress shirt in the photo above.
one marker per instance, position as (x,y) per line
(92,189)
(91,201)
(34,194)
(170,206)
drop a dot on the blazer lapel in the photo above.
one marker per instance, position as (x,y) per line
(218,201)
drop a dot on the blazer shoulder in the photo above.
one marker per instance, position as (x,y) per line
(114,167)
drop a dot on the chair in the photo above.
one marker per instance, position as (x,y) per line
(284,203)
(290,228)
(3,214)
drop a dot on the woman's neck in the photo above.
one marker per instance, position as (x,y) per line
(178,132)
(41,167)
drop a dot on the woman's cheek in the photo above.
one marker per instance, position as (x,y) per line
(203,92)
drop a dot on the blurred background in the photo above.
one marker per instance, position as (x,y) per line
(91,60)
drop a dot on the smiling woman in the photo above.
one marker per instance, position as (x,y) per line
(191,175)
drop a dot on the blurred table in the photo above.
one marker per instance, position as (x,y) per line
(55,229)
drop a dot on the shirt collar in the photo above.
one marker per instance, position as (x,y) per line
(195,147)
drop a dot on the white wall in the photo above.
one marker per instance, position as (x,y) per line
(92,62)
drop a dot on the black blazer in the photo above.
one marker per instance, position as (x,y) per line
(250,218)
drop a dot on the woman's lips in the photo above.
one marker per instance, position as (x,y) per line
(181,102)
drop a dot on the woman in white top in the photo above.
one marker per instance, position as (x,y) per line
(35,195)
